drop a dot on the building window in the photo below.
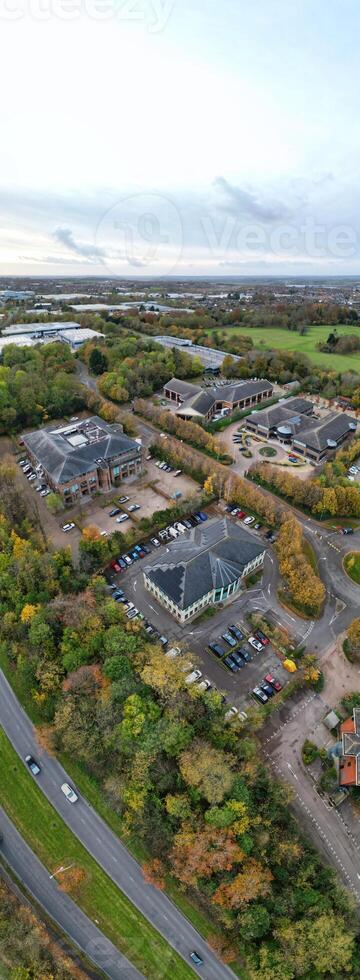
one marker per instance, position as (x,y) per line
(218,594)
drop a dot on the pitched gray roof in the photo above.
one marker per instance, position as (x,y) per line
(184,388)
(208,557)
(201,402)
(242,389)
(64,461)
(316,432)
(289,411)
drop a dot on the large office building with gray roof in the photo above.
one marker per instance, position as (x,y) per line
(205,566)
(83,457)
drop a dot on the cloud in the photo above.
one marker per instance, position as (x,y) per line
(88,251)
(247,203)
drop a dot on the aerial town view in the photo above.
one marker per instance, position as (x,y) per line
(180,491)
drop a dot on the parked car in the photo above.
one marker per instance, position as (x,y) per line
(231,713)
(69,792)
(231,663)
(180,527)
(260,695)
(127,559)
(68,527)
(132,613)
(122,563)
(255,643)
(348,530)
(163,640)
(123,500)
(155,542)
(114,511)
(259,635)
(245,654)
(249,520)
(197,519)
(173,652)
(269,679)
(205,685)
(239,660)
(187,524)
(139,550)
(45,493)
(229,639)
(216,649)
(203,517)
(268,689)
(236,632)
(115,566)
(193,676)
(133,507)
(241,514)
(122,518)
(33,765)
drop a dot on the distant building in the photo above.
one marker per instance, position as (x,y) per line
(206,565)
(82,458)
(291,422)
(201,404)
(29,334)
(209,357)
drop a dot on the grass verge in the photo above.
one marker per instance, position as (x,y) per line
(97,895)
(351,566)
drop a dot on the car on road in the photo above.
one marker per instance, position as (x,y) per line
(193,676)
(68,527)
(216,649)
(260,695)
(255,643)
(69,792)
(194,956)
(228,639)
(33,765)
(269,679)
(123,500)
(114,511)
(122,518)
(264,640)
(231,663)
(236,632)
(133,507)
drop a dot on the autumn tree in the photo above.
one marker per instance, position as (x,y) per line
(209,769)
(252,882)
(200,852)
(353,638)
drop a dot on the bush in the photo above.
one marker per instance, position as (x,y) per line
(319,684)
(309,752)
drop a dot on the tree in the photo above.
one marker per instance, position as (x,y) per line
(153,872)
(254,921)
(324,944)
(208,769)
(353,638)
(98,362)
(311,670)
(209,486)
(200,852)
(251,883)
(54,503)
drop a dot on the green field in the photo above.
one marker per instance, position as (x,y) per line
(98,896)
(352,565)
(272,337)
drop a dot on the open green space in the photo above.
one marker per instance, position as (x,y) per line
(97,895)
(274,337)
(352,565)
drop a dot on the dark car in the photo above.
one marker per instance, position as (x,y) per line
(122,563)
(197,518)
(245,654)
(231,663)
(145,548)
(114,511)
(236,632)
(269,691)
(239,660)
(269,679)
(216,649)
(203,517)
(196,958)
(33,765)
(187,524)
(262,637)
(268,535)
(229,639)
(348,530)
(260,695)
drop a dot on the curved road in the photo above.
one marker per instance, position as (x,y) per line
(107,849)
(82,931)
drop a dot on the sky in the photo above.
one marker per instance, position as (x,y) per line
(169,137)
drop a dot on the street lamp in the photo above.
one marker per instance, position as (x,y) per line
(58,870)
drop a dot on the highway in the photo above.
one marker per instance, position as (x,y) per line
(107,849)
(63,911)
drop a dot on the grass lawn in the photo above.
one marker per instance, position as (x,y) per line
(98,896)
(352,565)
(274,337)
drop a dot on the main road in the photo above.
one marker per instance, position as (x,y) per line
(107,849)
(63,911)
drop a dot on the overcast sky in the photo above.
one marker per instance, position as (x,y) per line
(180,136)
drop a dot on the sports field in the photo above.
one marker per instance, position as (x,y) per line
(273,337)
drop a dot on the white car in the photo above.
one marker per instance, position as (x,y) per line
(69,792)
(231,713)
(128,560)
(193,676)
(68,527)
(255,643)
(180,527)
(351,478)
(174,652)
(204,685)
(122,518)
(155,542)
(32,477)
(354,470)
(45,493)
(249,520)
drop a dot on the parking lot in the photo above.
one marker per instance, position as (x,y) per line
(200,633)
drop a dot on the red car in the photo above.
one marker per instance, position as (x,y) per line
(264,640)
(241,514)
(269,679)
(115,566)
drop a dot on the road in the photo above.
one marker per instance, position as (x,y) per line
(106,848)
(67,915)
(282,738)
